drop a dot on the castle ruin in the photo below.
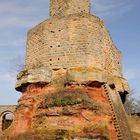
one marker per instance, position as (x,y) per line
(72,83)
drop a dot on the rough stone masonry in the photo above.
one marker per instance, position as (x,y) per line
(70,60)
(75,41)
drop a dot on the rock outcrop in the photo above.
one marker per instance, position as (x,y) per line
(72,79)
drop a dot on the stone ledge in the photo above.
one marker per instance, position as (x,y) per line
(36,75)
(81,75)
(72,75)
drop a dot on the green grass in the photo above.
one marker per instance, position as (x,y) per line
(64,102)
(67,98)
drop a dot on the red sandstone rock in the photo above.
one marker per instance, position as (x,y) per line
(76,119)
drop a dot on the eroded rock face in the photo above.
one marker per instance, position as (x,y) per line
(77,111)
(70,111)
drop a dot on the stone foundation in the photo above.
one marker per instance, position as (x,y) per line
(74,111)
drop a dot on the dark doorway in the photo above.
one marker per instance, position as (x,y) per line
(123,96)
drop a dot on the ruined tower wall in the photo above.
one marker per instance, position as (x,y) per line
(80,41)
(75,41)
(67,7)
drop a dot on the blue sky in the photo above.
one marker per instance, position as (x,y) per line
(122,18)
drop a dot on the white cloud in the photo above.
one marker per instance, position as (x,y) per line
(13,43)
(17,13)
(132,74)
(111,8)
(133,77)
(21,14)
(129,75)
(7,77)
(16,18)
(8,94)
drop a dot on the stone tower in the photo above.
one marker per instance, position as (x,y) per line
(73,80)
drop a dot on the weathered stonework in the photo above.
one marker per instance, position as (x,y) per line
(71,75)
(63,8)
(72,79)
(82,41)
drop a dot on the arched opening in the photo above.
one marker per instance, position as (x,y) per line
(7,119)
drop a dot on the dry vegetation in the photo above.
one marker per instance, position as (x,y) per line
(134,122)
(61,134)
(66,98)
